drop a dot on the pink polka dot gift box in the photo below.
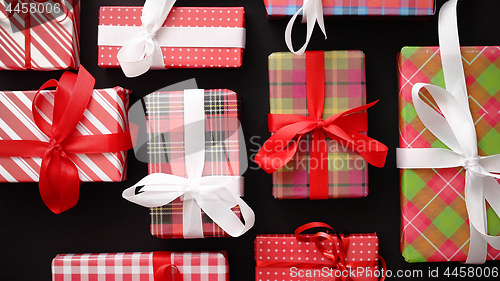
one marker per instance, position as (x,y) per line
(181,37)
(320,257)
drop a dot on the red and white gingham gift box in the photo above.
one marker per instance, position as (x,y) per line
(106,113)
(177,57)
(39,41)
(192,266)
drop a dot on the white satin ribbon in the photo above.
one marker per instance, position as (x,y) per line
(215,195)
(456,130)
(312,11)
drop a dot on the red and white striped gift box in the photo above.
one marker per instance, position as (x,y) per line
(38,40)
(177,57)
(192,266)
(106,113)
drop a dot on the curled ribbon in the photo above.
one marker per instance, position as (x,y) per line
(344,127)
(163,267)
(215,195)
(59,182)
(312,13)
(337,255)
(143,52)
(455,128)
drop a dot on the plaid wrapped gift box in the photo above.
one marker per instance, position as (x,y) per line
(193,266)
(178,57)
(301,261)
(284,8)
(40,40)
(106,113)
(165,118)
(434,216)
(344,89)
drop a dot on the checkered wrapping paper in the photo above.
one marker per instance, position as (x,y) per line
(165,118)
(434,217)
(283,8)
(194,266)
(344,89)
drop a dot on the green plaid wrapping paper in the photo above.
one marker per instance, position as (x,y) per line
(434,217)
(344,89)
(165,122)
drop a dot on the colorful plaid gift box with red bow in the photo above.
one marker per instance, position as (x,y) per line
(344,89)
(142,266)
(177,57)
(283,257)
(165,118)
(283,8)
(45,38)
(434,217)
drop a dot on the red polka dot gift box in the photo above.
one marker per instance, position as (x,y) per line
(320,257)
(189,37)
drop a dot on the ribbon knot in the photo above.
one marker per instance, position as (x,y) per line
(471,162)
(320,124)
(193,186)
(54,144)
(149,34)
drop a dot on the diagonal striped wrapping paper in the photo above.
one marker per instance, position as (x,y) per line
(105,114)
(179,57)
(193,266)
(47,44)
(344,89)
(165,118)
(435,224)
(284,8)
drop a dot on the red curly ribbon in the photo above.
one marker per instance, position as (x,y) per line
(59,182)
(163,268)
(344,127)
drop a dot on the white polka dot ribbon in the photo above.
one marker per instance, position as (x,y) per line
(455,128)
(215,195)
(312,11)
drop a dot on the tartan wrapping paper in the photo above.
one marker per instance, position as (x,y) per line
(344,89)
(284,8)
(107,112)
(286,248)
(194,266)
(54,44)
(434,217)
(165,118)
(179,16)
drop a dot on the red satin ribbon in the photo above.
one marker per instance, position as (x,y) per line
(338,259)
(163,268)
(344,127)
(59,182)
(27,27)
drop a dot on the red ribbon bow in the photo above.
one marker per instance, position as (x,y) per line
(59,182)
(163,268)
(344,127)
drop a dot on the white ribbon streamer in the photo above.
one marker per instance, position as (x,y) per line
(215,195)
(456,130)
(312,13)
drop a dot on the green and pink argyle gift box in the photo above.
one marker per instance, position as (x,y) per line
(435,223)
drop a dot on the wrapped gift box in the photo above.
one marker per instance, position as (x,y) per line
(177,57)
(41,40)
(284,8)
(434,217)
(106,113)
(344,89)
(193,266)
(166,127)
(283,257)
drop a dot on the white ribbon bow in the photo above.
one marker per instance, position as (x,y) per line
(312,13)
(455,128)
(215,195)
(143,52)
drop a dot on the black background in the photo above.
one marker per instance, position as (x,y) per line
(30,235)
